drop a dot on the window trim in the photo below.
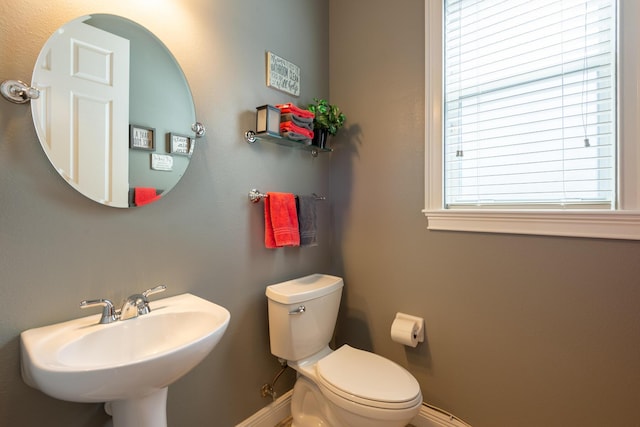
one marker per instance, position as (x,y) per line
(622,223)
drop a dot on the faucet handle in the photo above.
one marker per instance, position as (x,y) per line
(138,304)
(157,289)
(109,313)
(144,307)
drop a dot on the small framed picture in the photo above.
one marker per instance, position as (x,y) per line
(161,162)
(282,74)
(179,144)
(142,138)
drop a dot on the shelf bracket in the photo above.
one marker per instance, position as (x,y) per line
(250,136)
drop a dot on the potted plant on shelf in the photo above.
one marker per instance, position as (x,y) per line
(328,120)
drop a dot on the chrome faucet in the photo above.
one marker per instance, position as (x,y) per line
(134,306)
(138,304)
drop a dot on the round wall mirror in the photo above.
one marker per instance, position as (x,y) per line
(115,114)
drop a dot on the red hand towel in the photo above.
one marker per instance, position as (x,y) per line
(280,221)
(144,196)
(292,108)
(292,127)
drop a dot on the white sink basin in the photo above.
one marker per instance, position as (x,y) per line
(128,362)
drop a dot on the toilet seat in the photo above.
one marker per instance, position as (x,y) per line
(367,379)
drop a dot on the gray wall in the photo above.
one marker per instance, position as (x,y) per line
(57,247)
(521,331)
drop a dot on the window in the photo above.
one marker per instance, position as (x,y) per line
(525,130)
(529,103)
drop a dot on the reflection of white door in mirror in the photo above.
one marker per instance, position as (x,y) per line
(86,69)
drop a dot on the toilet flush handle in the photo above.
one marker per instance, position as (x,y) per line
(301,309)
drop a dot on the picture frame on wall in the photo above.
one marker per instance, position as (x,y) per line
(179,144)
(282,74)
(161,162)
(142,138)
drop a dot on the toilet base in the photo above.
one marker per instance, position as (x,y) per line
(310,408)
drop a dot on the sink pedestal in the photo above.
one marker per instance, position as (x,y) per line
(147,411)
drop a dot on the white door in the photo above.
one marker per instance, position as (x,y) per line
(83,111)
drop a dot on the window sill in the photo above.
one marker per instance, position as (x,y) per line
(603,225)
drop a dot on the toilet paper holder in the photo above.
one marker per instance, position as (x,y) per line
(417,328)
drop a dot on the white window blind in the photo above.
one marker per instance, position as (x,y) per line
(529,103)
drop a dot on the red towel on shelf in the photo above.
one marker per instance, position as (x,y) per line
(292,108)
(293,128)
(144,196)
(280,221)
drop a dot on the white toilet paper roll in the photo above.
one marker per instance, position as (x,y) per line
(405,331)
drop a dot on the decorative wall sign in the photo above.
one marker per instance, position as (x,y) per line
(179,144)
(282,74)
(142,138)
(161,162)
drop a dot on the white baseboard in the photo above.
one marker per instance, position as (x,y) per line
(273,413)
(431,416)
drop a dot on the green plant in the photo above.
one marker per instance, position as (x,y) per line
(327,116)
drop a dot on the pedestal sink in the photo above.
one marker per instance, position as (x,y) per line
(128,363)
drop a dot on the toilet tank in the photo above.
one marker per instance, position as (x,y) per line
(302,315)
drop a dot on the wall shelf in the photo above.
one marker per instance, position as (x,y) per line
(251,137)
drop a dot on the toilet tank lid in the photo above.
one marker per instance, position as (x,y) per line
(304,288)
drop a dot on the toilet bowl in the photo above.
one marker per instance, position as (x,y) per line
(345,387)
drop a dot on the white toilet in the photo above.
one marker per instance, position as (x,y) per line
(342,388)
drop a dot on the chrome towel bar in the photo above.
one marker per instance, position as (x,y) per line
(255,196)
